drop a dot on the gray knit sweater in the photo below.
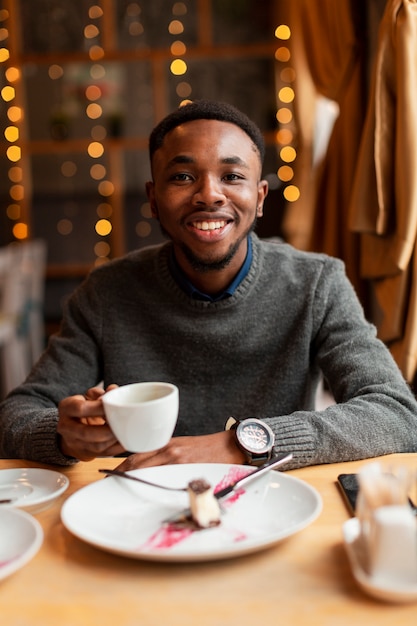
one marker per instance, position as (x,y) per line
(256,353)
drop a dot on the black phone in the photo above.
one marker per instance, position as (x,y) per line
(349,486)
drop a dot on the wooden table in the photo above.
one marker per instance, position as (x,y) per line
(304,580)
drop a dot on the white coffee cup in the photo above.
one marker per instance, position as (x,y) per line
(142,415)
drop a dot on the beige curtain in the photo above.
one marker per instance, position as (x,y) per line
(383,205)
(327,56)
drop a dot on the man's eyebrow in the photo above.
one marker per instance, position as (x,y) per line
(181,158)
(231,160)
(234,160)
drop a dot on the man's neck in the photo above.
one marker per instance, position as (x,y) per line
(212,281)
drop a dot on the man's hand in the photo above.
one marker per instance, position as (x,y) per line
(82,427)
(216,448)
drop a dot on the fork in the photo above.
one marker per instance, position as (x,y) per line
(413,506)
(115,472)
(274,462)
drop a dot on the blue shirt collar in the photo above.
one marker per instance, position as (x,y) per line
(195,293)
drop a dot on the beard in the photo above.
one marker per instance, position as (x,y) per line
(206,265)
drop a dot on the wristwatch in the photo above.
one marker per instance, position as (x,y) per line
(254,438)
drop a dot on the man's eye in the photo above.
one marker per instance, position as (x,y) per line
(181,177)
(232,177)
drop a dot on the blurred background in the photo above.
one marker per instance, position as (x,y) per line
(83,82)
(82,87)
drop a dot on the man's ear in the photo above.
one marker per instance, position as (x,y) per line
(150,192)
(262,193)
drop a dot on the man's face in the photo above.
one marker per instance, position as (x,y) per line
(207,193)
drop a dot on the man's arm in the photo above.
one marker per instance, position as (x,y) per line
(375,411)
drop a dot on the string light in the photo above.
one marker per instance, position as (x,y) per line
(282,32)
(104,210)
(64,227)
(103,227)
(94,105)
(291,193)
(55,72)
(95,12)
(178,66)
(284,115)
(93,94)
(288,154)
(96,149)
(14,114)
(285,173)
(14,210)
(133,12)
(286,95)
(68,169)
(102,249)
(11,133)
(94,111)
(176,27)
(98,171)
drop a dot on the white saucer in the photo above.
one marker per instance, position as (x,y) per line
(31,489)
(388,593)
(21,536)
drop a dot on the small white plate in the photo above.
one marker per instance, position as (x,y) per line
(123,517)
(388,593)
(21,536)
(31,489)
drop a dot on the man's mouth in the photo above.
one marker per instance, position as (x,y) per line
(209,225)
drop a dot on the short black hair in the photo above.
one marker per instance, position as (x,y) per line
(206,110)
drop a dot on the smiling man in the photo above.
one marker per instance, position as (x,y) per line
(243,327)
(207,194)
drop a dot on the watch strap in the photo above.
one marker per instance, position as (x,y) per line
(258,459)
(231,423)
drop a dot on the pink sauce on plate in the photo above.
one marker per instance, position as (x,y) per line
(171,535)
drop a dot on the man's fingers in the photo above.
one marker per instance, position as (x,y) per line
(94,393)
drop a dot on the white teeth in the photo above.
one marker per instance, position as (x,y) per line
(209,225)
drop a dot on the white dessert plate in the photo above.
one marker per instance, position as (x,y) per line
(400,592)
(21,536)
(31,489)
(126,518)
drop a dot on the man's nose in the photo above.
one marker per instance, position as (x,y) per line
(209,191)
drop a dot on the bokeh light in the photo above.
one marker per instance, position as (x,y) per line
(178,67)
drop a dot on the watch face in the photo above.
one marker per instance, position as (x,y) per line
(254,436)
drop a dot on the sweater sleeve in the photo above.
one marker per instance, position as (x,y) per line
(375,411)
(70,365)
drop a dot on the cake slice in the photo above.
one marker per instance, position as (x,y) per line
(205,509)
